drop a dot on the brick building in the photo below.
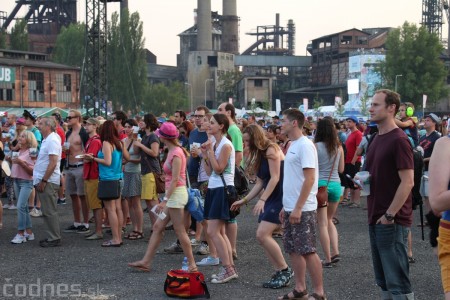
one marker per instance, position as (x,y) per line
(28,79)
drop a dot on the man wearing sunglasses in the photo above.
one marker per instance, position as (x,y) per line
(76,138)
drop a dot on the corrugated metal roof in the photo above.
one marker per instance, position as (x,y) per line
(34,63)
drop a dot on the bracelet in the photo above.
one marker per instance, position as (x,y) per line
(245,200)
(262,200)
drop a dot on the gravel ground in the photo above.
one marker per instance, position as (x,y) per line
(83,267)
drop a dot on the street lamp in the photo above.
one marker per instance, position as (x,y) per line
(190,86)
(397,76)
(209,79)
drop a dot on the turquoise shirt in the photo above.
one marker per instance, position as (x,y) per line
(113,171)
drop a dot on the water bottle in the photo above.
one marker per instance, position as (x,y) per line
(185,265)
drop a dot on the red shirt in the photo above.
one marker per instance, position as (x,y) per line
(62,135)
(90,169)
(122,134)
(351,144)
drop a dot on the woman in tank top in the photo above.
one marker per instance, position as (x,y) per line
(331,162)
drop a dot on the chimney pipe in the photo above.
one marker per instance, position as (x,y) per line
(204,26)
(230,23)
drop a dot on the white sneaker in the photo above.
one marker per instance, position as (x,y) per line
(19,239)
(36,213)
(194,242)
(29,237)
(209,261)
(6,206)
(12,207)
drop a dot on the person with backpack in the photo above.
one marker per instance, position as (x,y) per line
(406,122)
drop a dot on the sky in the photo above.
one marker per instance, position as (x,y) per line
(164,19)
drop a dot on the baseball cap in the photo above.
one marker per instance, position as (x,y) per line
(168,130)
(20,121)
(161,120)
(29,114)
(93,121)
(353,118)
(433,117)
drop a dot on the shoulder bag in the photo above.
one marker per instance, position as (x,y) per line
(231,196)
(109,189)
(322,192)
(195,204)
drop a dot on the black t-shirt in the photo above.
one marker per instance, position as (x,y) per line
(149,164)
(427,143)
(387,154)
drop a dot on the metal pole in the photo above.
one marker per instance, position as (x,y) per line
(396,76)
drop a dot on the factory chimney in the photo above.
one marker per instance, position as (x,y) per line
(204,26)
(230,23)
(123,5)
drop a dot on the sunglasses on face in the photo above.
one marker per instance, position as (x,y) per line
(198,116)
(70,118)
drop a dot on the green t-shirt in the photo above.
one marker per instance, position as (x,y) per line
(236,138)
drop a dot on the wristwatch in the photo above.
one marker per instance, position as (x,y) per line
(389,217)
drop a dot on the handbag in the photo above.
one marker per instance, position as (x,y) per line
(322,192)
(160,182)
(240,181)
(195,204)
(108,189)
(231,196)
(188,285)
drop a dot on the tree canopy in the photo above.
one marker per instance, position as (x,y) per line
(127,67)
(19,36)
(69,48)
(414,53)
(159,98)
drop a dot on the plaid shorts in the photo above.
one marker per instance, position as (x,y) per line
(300,238)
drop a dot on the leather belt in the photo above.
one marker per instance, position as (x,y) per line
(74,166)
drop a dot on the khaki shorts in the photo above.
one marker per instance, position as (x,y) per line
(91,189)
(444,254)
(149,187)
(179,198)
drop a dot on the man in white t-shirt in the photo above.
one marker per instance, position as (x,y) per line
(46,179)
(299,215)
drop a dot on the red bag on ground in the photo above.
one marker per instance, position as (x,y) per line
(183,284)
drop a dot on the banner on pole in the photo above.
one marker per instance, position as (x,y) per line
(305,104)
(424,105)
(337,101)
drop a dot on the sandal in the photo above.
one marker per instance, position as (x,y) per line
(353,205)
(139,267)
(345,201)
(135,235)
(192,270)
(303,295)
(335,258)
(277,235)
(318,297)
(110,244)
(411,259)
(335,221)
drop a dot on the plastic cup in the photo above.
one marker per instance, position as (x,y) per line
(33,152)
(66,146)
(364,178)
(15,155)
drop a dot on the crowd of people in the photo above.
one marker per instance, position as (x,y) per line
(289,160)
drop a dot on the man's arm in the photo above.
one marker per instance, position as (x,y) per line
(238,158)
(403,191)
(310,177)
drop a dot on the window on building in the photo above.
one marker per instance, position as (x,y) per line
(63,88)
(258,83)
(346,40)
(362,40)
(199,60)
(7,91)
(35,86)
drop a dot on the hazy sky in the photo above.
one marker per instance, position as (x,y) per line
(165,19)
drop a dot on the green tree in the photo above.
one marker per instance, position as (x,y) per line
(19,36)
(160,98)
(226,87)
(317,102)
(127,67)
(2,39)
(414,53)
(365,104)
(70,45)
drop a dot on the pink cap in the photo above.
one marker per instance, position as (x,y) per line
(20,121)
(167,131)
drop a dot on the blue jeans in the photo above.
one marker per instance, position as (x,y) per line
(22,189)
(390,260)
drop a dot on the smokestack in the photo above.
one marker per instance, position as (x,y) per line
(276,42)
(204,26)
(123,5)
(230,31)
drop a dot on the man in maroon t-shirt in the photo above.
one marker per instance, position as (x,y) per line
(389,205)
(90,176)
(352,162)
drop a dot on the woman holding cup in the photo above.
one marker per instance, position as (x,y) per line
(22,173)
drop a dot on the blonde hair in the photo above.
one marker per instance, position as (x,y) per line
(30,138)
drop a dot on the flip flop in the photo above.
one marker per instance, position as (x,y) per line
(110,244)
(139,267)
(135,235)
